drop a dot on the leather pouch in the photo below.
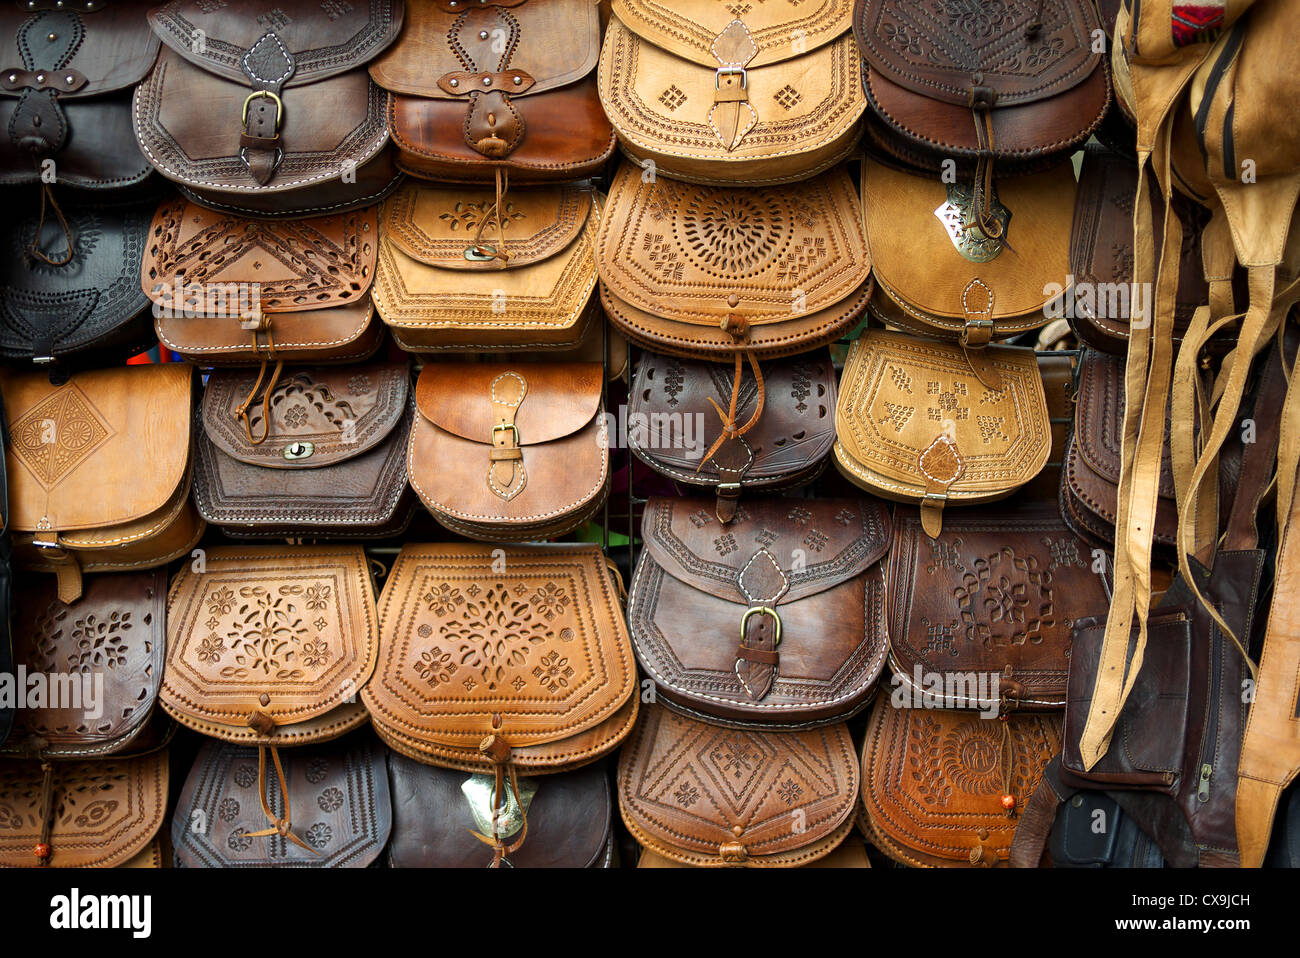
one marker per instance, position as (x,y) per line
(934,781)
(291,123)
(732,93)
(675,419)
(709,272)
(438,811)
(66,73)
(773,621)
(102,662)
(699,794)
(333,460)
(227,289)
(995,595)
(510,452)
(101,813)
(99,471)
(509,86)
(915,424)
(338,803)
(460,271)
(850,853)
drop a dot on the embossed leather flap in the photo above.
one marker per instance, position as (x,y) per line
(338,804)
(557,399)
(695,29)
(308,41)
(73,446)
(995,594)
(266,638)
(548,45)
(1100,419)
(102,50)
(936,49)
(701,254)
(115,630)
(103,811)
(527,644)
(706,795)
(341,411)
(799,547)
(932,781)
(438,226)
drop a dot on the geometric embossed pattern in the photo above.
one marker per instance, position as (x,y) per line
(58,434)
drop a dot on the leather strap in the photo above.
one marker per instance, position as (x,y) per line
(493,126)
(732,116)
(279,826)
(499,752)
(506,475)
(763,584)
(940,463)
(268,64)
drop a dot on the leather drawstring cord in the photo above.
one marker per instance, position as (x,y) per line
(241,412)
(981,213)
(499,753)
(42,849)
(34,248)
(1006,756)
(729,428)
(494,214)
(279,826)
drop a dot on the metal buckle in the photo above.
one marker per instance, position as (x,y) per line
(935,496)
(500,427)
(761,610)
(46,543)
(732,487)
(257,94)
(744,77)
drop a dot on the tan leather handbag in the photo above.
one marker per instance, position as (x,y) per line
(733,93)
(914,423)
(463,269)
(99,471)
(510,452)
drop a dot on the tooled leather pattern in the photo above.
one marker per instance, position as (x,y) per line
(485,40)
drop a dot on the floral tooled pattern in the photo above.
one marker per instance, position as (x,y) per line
(317,769)
(897,34)
(96,641)
(265,634)
(686,795)
(553,673)
(978,19)
(245,776)
(663,257)
(550,600)
(1005,599)
(970,758)
(330,800)
(318,596)
(443,598)
(494,635)
(674,380)
(469,215)
(435,666)
(732,234)
(315,653)
(228,810)
(221,601)
(210,648)
(239,840)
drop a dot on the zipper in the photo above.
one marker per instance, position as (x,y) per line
(1211,733)
(1203,789)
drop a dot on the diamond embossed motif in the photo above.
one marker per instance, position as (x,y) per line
(58,434)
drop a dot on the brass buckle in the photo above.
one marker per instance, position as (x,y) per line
(256,94)
(501,427)
(761,610)
(744,77)
(724,488)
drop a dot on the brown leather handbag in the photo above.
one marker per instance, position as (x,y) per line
(510,452)
(732,93)
(463,269)
(337,800)
(66,73)
(719,272)
(703,795)
(290,123)
(915,424)
(944,788)
(99,471)
(504,661)
(502,87)
(324,455)
(676,425)
(101,659)
(993,598)
(437,811)
(850,853)
(80,814)
(773,621)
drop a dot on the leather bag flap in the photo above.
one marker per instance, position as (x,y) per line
(1101,419)
(108,49)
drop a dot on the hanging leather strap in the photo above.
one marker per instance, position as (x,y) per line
(729,453)
(279,826)
(506,475)
(732,116)
(241,411)
(498,751)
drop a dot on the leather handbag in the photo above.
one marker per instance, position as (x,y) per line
(477,90)
(66,73)
(850,853)
(324,455)
(955,282)
(338,801)
(510,452)
(80,814)
(230,290)
(100,660)
(719,272)
(915,424)
(993,598)
(675,424)
(291,123)
(703,795)
(503,661)
(99,471)
(773,621)
(732,93)
(944,788)
(463,269)
(69,288)
(437,811)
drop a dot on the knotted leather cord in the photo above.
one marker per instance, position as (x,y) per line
(502,769)
(34,248)
(729,428)
(1006,756)
(279,826)
(494,214)
(47,809)
(241,411)
(981,214)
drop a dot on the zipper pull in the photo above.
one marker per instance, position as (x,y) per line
(1203,789)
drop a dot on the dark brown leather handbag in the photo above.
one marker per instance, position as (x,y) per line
(290,123)
(773,621)
(703,795)
(324,455)
(507,86)
(993,598)
(439,814)
(66,73)
(338,802)
(676,424)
